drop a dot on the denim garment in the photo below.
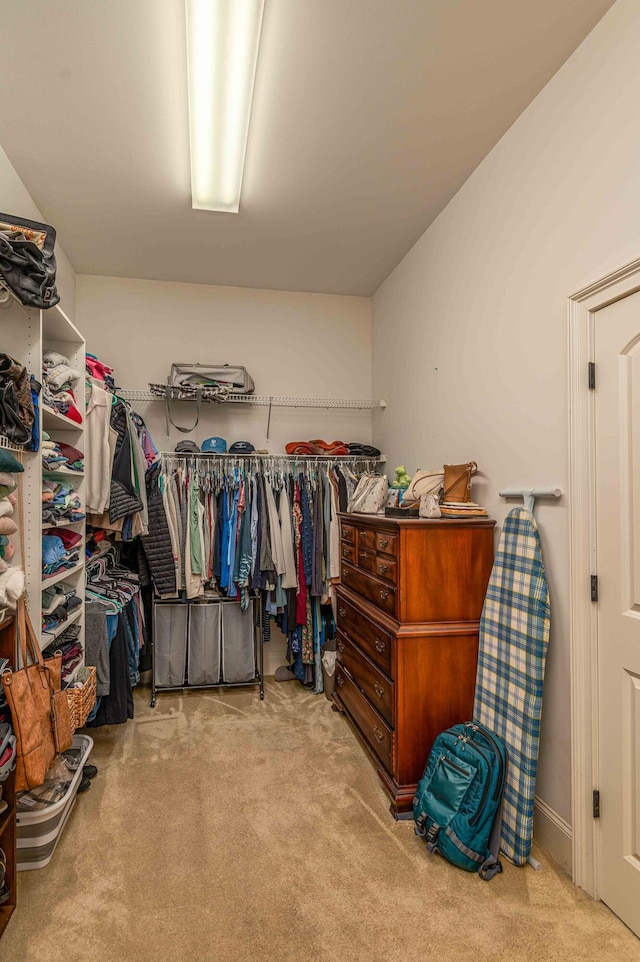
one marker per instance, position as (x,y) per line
(307,531)
(224,547)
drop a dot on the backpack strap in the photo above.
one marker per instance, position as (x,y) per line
(492,864)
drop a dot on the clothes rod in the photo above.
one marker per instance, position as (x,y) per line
(529,495)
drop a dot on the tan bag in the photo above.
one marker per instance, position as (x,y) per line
(457,481)
(423,482)
(39,710)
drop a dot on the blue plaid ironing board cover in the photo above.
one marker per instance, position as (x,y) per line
(514,634)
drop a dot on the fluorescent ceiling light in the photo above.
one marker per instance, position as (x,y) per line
(223,37)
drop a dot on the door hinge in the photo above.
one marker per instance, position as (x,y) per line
(594,587)
(596,803)
(592,375)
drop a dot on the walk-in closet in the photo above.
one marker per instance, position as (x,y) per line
(318,481)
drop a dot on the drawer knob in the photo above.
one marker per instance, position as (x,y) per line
(380,645)
(364,554)
(384,542)
(384,593)
(345,573)
(340,646)
(345,552)
(383,569)
(342,612)
(379,690)
(378,734)
(340,680)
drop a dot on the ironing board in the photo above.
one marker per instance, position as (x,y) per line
(514,635)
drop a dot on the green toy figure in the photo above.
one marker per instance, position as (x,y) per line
(402,479)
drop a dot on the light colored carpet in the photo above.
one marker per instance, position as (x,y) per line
(222,828)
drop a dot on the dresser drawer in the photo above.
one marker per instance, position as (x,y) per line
(349,533)
(366,538)
(375,685)
(387,543)
(374,641)
(386,568)
(348,552)
(367,559)
(372,727)
(380,594)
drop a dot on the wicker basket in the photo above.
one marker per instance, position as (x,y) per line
(82,700)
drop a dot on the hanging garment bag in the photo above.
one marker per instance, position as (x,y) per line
(169,645)
(514,634)
(238,649)
(204,643)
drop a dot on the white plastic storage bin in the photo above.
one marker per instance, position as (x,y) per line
(39,832)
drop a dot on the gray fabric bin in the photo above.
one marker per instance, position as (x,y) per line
(170,645)
(203,666)
(238,646)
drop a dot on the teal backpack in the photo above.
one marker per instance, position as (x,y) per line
(458,802)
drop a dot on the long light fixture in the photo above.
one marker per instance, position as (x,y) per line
(223,37)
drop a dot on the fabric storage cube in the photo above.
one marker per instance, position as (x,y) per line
(169,644)
(238,651)
(203,661)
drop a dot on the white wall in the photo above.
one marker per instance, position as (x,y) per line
(470,330)
(316,345)
(15,199)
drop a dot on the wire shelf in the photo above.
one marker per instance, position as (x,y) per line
(264,400)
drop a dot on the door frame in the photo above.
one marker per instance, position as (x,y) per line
(583,630)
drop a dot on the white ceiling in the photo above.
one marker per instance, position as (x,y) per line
(367,118)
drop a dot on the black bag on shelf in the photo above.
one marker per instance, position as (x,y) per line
(17,414)
(27,261)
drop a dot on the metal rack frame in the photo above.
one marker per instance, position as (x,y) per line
(265,400)
(258,646)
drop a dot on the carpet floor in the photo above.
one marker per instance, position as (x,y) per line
(224,828)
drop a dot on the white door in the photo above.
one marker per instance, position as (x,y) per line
(617,356)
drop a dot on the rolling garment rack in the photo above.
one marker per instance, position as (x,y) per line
(178,616)
(180,629)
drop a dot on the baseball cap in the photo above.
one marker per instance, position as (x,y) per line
(187,447)
(214,445)
(241,447)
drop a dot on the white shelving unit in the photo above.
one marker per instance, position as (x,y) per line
(26,333)
(264,400)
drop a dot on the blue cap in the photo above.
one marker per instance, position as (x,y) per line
(215,445)
(241,447)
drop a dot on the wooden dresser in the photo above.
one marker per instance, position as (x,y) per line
(408,615)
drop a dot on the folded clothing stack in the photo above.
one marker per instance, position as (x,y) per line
(58,382)
(462,509)
(58,602)
(57,454)
(69,644)
(101,373)
(60,550)
(319,447)
(60,502)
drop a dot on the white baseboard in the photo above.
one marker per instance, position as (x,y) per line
(552,833)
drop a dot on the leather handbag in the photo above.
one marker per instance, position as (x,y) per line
(39,709)
(457,482)
(370,495)
(27,261)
